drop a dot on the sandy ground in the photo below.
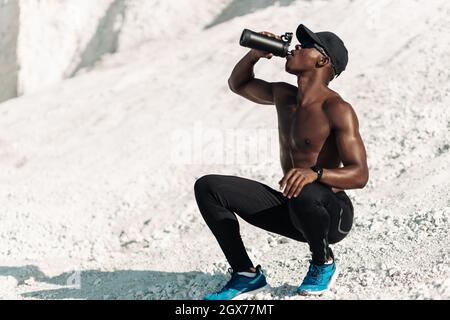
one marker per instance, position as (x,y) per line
(97,172)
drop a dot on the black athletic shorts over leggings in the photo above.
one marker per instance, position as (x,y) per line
(316,216)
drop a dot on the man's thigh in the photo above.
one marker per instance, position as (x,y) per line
(253,201)
(241,195)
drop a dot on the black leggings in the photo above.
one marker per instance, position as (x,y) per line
(317,215)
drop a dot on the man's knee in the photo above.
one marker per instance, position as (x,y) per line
(206,183)
(308,208)
(311,195)
(208,196)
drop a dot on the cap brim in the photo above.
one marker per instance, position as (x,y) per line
(303,33)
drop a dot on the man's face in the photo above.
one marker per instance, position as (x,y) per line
(302,59)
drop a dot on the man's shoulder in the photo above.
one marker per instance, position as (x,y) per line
(337,109)
(335,103)
(283,89)
(281,85)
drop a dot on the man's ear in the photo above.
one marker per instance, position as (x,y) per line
(322,61)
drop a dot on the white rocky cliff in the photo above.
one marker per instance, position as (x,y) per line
(45,41)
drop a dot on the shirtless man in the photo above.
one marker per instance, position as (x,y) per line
(318,131)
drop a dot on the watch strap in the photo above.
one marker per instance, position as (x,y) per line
(319,170)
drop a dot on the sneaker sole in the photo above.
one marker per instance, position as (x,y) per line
(248,294)
(318,293)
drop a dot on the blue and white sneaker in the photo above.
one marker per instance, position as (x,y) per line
(240,286)
(318,280)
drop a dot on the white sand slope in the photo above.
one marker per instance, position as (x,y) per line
(97,204)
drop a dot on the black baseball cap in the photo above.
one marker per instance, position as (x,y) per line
(330,42)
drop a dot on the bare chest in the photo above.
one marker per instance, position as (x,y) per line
(303,130)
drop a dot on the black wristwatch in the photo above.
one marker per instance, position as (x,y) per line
(319,170)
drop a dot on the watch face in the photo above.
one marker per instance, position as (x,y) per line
(319,173)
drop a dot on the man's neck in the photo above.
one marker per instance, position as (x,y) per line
(311,88)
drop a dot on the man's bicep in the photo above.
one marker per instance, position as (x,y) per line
(350,146)
(258,91)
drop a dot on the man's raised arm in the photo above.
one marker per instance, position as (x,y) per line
(242,80)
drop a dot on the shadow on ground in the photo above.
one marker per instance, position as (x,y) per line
(124,284)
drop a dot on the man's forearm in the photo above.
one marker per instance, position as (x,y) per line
(348,177)
(243,71)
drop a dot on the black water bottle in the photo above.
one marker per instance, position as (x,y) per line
(258,41)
